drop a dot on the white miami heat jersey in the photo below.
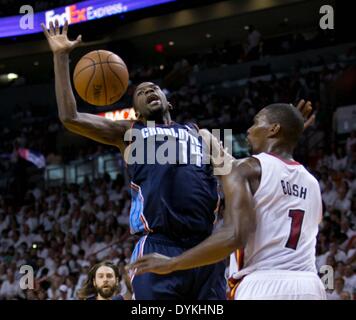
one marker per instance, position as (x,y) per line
(288,208)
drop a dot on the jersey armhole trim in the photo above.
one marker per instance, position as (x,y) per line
(260,185)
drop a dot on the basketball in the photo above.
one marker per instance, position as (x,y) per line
(101,77)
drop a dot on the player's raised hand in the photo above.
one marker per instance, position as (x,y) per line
(305,107)
(155,262)
(220,158)
(57,40)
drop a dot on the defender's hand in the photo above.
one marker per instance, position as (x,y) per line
(215,148)
(305,107)
(59,42)
(220,158)
(156,263)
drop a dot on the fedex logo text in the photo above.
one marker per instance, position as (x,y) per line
(73,14)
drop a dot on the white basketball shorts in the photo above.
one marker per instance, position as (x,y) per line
(280,285)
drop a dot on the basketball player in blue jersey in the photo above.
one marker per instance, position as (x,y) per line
(174,203)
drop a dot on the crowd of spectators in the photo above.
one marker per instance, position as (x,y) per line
(61,232)
(336,245)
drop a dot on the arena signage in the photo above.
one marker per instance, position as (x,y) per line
(345,119)
(75,13)
(123,114)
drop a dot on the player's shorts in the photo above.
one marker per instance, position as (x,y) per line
(280,285)
(204,283)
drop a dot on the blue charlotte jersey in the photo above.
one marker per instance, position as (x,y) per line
(173,189)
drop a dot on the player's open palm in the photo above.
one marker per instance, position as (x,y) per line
(59,42)
(305,107)
(221,159)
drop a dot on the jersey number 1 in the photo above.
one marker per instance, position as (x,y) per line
(296,227)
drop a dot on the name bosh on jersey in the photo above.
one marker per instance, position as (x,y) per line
(74,15)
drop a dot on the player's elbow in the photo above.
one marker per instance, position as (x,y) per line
(69,117)
(69,121)
(68,124)
(72,125)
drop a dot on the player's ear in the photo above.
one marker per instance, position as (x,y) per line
(274,129)
(170,107)
(137,114)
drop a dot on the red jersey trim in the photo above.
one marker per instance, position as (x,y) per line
(289,162)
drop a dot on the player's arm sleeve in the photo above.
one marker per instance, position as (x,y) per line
(239,222)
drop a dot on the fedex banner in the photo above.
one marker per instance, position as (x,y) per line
(75,13)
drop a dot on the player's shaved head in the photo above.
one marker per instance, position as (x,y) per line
(289,118)
(150,102)
(142,85)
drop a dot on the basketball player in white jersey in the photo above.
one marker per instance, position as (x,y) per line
(273,208)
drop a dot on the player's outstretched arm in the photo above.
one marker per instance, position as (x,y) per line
(239,223)
(88,125)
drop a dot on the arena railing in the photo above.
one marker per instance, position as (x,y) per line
(76,171)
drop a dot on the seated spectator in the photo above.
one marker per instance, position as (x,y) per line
(339,159)
(253,43)
(345,295)
(340,270)
(350,279)
(342,202)
(10,288)
(338,289)
(102,283)
(351,142)
(329,195)
(53,292)
(336,252)
(351,252)
(63,292)
(70,288)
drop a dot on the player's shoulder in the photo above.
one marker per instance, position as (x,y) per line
(189,126)
(309,177)
(134,123)
(249,167)
(248,162)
